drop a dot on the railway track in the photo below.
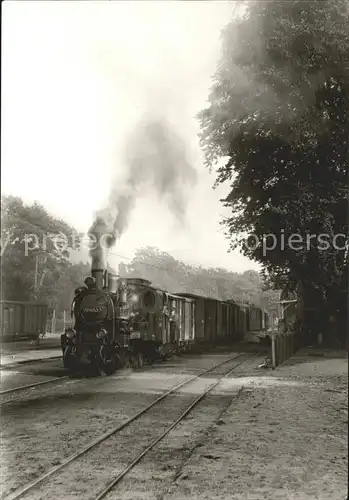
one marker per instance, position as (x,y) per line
(16,364)
(76,459)
(14,390)
(8,392)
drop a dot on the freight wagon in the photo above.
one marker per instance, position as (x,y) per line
(22,320)
(216,321)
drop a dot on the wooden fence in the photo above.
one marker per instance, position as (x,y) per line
(283,345)
(57,322)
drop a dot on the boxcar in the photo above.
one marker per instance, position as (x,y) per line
(265,321)
(215,321)
(255,322)
(236,320)
(243,322)
(210,319)
(221,331)
(199,315)
(22,320)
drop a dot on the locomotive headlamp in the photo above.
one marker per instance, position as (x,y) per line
(134,298)
(70,333)
(102,333)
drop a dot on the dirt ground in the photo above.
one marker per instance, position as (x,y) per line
(284,437)
(46,425)
(260,434)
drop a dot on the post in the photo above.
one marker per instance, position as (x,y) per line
(288,345)
(36,273)
(42,278)
(64,320)
(273,350)
(53,321)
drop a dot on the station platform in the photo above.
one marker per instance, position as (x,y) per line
(25,351)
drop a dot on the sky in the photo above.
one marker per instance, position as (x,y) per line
(76,77)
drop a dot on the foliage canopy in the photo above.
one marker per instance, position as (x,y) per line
(279,110)
(164,271)
(40,274)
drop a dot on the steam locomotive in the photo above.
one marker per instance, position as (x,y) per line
(100,336)
(128,321)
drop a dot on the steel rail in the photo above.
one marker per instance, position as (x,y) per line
(31,386)
(27,362)
(22,491)
(139,457)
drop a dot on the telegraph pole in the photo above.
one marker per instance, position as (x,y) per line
(38,283)
(36,273)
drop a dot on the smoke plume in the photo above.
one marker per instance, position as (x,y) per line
(154,161)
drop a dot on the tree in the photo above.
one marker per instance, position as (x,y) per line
(279,110)
(34,260)
(166,272)
(157,266)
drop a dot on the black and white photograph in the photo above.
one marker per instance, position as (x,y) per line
(174,250)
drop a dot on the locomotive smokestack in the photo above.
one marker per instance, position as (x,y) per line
(100,243)
(98,274)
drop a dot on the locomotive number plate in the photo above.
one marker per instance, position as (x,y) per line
(135,335)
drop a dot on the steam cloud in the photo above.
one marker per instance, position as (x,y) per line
(155,160)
